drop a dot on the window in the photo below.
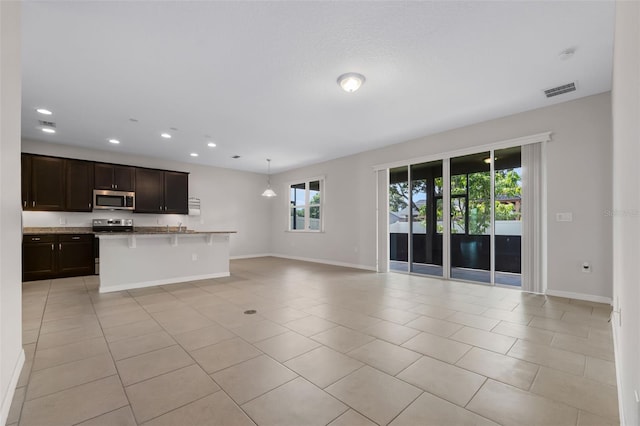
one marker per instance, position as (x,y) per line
(305,206)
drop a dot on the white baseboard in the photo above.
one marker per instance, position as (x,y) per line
(131,286)
(11,389)
(250,256)
(324,261)
(580,296)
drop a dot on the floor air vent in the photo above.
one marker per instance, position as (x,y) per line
(565,88)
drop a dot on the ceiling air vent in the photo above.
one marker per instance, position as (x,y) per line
(47,123)
(565,88)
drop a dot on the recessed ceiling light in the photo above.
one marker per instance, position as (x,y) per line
(114,141)
(351,81)
(194,154)
(166,135)
(44,111)
(133,120)
(48,130)
(211,145)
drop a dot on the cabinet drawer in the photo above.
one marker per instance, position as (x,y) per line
(84,238)
(46,238)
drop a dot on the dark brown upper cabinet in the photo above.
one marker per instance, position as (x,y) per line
(26,181)
(65,184)
(176,193)
(150,193)
(111,176)
(161,191)
(43,183)
(79,175)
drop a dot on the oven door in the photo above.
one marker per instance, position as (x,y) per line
(113,200)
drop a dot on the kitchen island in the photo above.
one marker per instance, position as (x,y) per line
(139,259)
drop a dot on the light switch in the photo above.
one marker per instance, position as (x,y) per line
(564,217)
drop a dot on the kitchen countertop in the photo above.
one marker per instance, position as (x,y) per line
(138,230)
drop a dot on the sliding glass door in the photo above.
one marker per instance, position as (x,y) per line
(426,218)
(471,217)
(508,216)
(399,200)
(483,233)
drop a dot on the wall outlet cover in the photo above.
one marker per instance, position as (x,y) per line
(564,217)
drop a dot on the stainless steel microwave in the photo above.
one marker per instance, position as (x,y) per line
(113,200)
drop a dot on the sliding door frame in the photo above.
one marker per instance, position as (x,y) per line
(446,178)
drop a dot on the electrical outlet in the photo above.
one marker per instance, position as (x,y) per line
(564,217)
(194,257)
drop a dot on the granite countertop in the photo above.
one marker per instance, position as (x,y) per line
(140,230)
(57,230)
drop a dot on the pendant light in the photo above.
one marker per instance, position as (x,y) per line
(269,192)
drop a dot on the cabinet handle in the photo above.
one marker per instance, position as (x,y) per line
(33,203)
(60,246)
(116,186)
(75,238)
(35,239)
(89,205)
(160,208)
(24,204)
(51,247)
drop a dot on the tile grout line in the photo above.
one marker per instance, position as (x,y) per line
(35,349)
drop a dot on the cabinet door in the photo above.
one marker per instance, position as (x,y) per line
(26,181)
(38,257)
(124,178)
(75,255)
(149,191)
(103,176)
(47,183)
(79,186)
(176,192)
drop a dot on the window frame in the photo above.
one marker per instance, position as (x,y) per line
(307,205)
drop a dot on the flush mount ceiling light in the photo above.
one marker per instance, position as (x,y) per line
(351,81)
(166,135)
(48,130)
(114,141)
(44,111)
(211,145)
(194,154)
(269,192)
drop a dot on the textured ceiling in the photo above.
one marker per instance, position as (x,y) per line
(259,78)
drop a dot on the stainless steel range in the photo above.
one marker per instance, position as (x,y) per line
(112,225)
(108,225)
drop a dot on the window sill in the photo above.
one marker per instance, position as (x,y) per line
(303,231)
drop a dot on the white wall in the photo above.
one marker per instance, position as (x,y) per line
(579,176)
(11,354)
(626,207)
(230,199)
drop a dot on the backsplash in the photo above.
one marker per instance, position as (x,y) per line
(70,219)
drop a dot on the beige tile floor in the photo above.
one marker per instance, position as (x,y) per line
(327,346)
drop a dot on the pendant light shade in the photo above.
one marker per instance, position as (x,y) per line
(269,192)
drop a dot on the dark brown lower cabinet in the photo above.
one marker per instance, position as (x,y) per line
(56,256)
